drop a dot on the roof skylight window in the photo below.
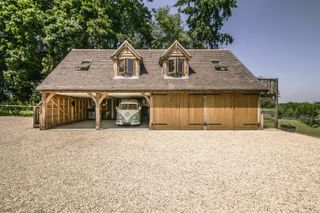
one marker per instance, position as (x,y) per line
(221,68)
(84,65)
(215,62)
(218,66)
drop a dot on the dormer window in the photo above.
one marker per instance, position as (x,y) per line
(126,67)
(175,62)
(176,67)
(126,62)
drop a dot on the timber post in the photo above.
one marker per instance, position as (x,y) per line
(43,112)
(43,118)
(259,112)
(97,111)
(151,112)
(276,103)
(149,100)
(98,98)
(205,112)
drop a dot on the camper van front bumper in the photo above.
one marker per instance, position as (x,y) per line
(124,123)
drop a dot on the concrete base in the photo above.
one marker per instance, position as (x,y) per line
(105,124)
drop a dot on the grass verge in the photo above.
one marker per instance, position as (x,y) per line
(10,112)
(301,127)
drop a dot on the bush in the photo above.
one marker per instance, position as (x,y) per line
(307,113)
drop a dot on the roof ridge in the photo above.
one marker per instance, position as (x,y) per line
(192,49)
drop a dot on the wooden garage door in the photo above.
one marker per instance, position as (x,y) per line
(191,111)
(177,111)
(225,111)
(246,111)
(220,111)
(165,111)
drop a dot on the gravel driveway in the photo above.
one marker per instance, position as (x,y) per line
(164,171)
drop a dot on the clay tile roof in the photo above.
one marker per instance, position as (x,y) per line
(202,74)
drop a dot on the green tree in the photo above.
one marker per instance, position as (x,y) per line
(37,34)
(21,46)
(167,28)
(74,24)
(307,113)
(205,19)
(131,20)
(267,103)
(3,67)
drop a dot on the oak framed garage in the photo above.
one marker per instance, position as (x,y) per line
(180,88)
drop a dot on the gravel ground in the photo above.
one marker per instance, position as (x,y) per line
(156,171)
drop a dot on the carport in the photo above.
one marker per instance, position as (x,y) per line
(64,108)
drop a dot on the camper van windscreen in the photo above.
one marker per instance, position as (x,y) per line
(128,106)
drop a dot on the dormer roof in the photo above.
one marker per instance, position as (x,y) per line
(175,46)
(126,45)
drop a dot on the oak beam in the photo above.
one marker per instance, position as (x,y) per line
(43,113)
(205,112)
(146,97)
(276,104)
(92,96)
(98,108)
(259,113)
(43,116)
(150,112)
(98,98)
(50,96)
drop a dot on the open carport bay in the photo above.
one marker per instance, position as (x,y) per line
(105,124)
(79,110)
(166,171)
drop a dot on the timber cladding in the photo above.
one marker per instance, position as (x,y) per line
(201,111)
(65,109)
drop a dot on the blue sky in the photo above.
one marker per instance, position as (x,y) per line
(277,38)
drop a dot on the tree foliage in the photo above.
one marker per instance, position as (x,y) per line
(21,45)
(167,28)
(205,19)
(266,103)
(36,34)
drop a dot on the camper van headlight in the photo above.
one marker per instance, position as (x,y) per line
(120,117)
(135,116)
